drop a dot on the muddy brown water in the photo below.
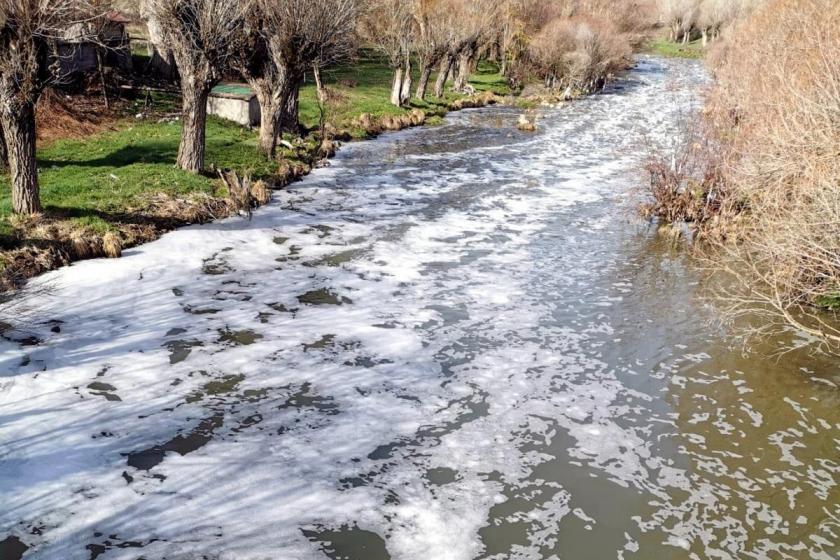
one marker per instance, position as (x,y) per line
(455,343)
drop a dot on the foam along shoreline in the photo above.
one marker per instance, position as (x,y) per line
(61,243)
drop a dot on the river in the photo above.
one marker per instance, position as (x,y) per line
(453,343)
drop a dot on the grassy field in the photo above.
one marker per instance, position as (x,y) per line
(671,49)
(112,173)
(365,87)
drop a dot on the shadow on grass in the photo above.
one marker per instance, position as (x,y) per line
(153,153)
(7,242)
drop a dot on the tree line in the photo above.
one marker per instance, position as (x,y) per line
(272,44)
(704,19)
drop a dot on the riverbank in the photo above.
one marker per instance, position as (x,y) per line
(755,173)
(117,186)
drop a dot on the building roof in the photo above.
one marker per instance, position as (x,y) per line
(118,17)
(233,91)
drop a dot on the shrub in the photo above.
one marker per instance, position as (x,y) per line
(779,98)
(775,113)
(685,184)
(579,53)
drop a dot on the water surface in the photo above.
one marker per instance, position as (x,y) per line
(454,343)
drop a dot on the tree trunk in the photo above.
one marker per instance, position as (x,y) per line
(290,121)
(19,135)
(503,68)
(162,63)
(270,98)
(396,88)
(423,84)
(100,63)
(319,85)
(193,134)
(4,153)
(495,49)
(443,75)
(405,88)
(705,33)
(464,68)
(278,94)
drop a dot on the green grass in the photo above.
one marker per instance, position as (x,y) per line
(488,78)
(670,49)
(98,178)
(365,87)
(6,230)
(115,171)
(831,303)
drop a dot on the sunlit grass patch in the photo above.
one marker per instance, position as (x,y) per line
(664,47)
(116,171)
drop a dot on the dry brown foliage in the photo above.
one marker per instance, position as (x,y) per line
(77,116)
(686,184)
(579,53)
(244,193)
(778,101)
(775,119)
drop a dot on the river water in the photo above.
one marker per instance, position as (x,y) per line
(454,343)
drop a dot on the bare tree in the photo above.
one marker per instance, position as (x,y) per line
(284,39)
(512,35)
(437,23)
(30,34)
(203,36)
(445,70)
(579,53)
(714,15)
(680,16)
(550,51)
(477,21)
(390,26)
(710,17)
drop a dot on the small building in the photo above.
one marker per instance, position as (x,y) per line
(235,102)
(82,50)
(114,35)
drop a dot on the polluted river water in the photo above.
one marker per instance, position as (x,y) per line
(453,343)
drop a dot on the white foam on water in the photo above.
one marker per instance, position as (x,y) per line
(388,317)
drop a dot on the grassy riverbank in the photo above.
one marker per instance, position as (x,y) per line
(670,49)
(119,186)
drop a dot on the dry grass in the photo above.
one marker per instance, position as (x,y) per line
(62,115)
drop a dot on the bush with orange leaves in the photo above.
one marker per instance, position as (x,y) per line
(776,113)
(579,54)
